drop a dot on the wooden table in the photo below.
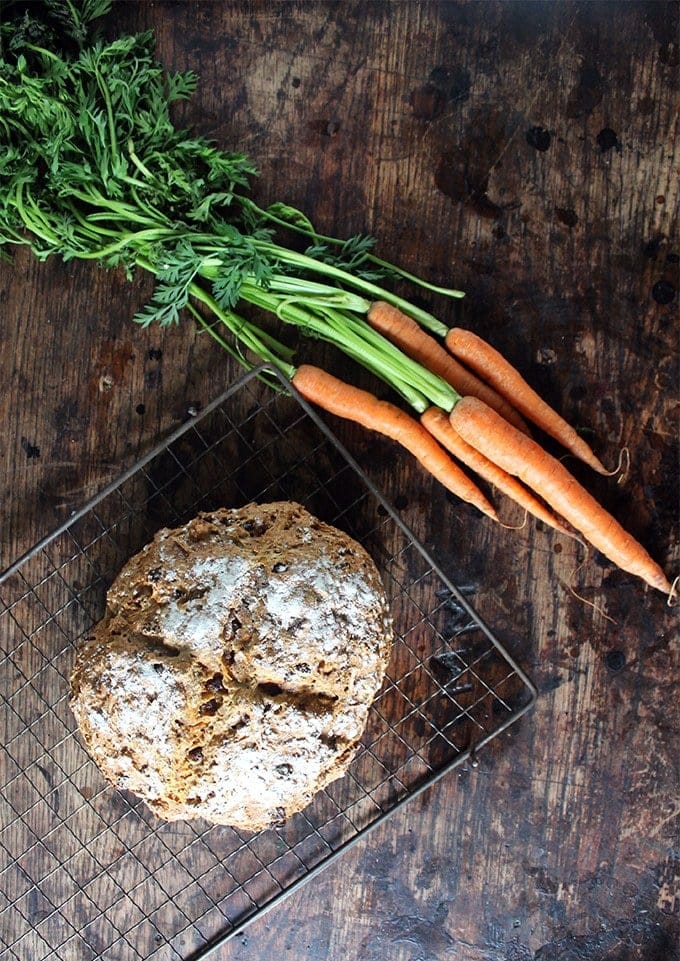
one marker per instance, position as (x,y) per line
(527,153)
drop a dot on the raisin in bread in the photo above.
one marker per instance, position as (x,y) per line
(231,676)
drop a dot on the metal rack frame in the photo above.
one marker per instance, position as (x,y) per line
(87,871)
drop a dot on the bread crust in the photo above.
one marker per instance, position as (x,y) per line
(231,676)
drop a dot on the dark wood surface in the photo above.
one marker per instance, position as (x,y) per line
(528,153)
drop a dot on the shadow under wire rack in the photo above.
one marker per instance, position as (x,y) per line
(87,871)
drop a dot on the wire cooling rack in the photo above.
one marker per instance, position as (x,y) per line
(88,872)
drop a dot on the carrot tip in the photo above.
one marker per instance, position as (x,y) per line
(594,462)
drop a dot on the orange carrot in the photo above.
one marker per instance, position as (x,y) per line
(436,421)
(521,456)
(403,331)
(355,404)
(492,367)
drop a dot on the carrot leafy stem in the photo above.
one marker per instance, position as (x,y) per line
(94,168)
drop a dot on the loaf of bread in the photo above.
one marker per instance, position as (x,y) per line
(231,676)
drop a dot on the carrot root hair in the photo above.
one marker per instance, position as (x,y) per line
(623,466)
(515,527)
(574,593)
(584,600)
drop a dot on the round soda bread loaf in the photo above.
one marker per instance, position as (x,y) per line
(231,676)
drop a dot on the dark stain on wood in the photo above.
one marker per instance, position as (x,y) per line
(588,92)
(30,449)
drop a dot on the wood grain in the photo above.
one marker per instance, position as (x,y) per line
(528,153)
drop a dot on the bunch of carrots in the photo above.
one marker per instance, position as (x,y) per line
(93,167)
(484,429)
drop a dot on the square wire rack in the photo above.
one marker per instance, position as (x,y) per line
(87,871)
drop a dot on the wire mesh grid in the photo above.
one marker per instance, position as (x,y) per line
(87,871)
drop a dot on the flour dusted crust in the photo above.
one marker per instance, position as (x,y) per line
(232,674)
